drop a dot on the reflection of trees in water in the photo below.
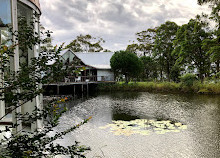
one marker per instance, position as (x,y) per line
(118,115)
(125,95)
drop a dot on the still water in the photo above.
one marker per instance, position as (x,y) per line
(146,125)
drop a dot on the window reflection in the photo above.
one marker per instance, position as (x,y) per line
(5,13)
(25,15)
(5,21)
(5,37)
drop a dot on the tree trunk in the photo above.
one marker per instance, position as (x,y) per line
(168,73)
(217,66)
(201,77)
(161,75)
(126,79)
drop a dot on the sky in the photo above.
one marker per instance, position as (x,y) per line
(116,21)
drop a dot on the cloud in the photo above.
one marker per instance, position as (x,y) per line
(115,21)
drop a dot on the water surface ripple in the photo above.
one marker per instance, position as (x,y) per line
(200,114)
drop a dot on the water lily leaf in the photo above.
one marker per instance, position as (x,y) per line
(143,127)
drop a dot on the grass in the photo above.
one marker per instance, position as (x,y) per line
(171,87)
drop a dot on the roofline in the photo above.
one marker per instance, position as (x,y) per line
(34,4)
(75,53)
(77,57)
(91,52)
(94,67)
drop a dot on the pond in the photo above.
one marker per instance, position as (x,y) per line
(146,125)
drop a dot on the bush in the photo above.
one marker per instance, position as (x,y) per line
(188,79)
(20,87)
(126,63)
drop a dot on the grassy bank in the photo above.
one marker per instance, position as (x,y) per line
(206,88)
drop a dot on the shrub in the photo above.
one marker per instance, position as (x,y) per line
(20,87)
(188,79)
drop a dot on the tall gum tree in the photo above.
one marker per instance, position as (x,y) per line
(87,43)
(212,46)
(145,42)
(163,47)
(188,47)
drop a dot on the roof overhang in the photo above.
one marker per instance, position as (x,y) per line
(36,2)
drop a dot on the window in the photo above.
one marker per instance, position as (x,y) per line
(5,13)
(25,15)
(5,20)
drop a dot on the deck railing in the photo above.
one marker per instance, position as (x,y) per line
(88,78)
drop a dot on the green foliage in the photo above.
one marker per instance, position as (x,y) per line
(126,63)
(86,43)
(168,87)
(188,46)
(212,46)
(188,79)
(39,144)
(133,48)
(145,42)
(217,76)
(150,68)
(20,87)
(143,87)
(163,47)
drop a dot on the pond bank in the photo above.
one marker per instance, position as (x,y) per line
(170,87)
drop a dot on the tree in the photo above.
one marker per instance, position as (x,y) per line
(20,87)
(133,48)
(163,47)
(46,41)
(145,42)
(212,46)
(150,67)
(188,47)
(126,63)
(86,43)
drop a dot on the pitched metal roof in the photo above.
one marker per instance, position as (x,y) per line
(99,60)
(51,62)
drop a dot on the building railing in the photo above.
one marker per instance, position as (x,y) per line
(88,78)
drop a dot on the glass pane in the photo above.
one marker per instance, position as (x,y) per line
(25,15)
(5,13)
(5,37)
(25,12)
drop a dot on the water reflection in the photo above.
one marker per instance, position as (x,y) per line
(123,116)
(147,125)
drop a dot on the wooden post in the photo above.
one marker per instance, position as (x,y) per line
(74,91)
(87,89)
(82,90)
(58,89)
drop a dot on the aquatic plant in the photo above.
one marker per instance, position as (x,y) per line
(144,127)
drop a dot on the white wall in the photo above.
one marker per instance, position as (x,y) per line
(105,75)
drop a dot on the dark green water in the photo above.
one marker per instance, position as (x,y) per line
(146,125)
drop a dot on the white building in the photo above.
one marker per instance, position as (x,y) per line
(96,65)
(10,11)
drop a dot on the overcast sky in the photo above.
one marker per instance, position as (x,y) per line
(116,21)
